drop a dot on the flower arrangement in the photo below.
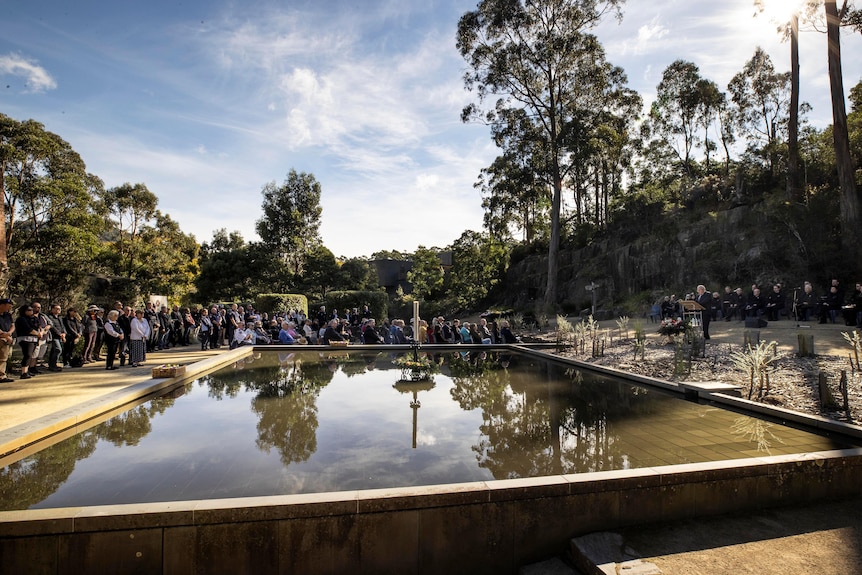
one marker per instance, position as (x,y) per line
(169,370)
(409,362)
(672,326)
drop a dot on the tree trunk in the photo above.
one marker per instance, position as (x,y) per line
(794,188)
(550,302)
(851,219)
(4,263)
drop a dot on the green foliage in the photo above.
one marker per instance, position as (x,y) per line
(377,301)
(321,273)
(291,219)
(756,361)
(426,274)
(358,274)
(231,270)
(49,225)
(479,266)
(281,302)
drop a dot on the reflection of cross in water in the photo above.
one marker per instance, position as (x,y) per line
(414,387)
(415,405)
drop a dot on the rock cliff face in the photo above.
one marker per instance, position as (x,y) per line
(740,246)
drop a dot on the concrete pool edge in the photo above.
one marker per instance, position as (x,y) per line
(479,527)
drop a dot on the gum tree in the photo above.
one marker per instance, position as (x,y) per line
(539,57)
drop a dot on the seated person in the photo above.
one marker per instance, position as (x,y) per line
(714,306)
(244,335)
(284,336)
(506,333)
(806,302)
(774,303)
(667,308)
(853,310)
(830,305)
(369,333)
(755,304)
(260,334)
(331,332)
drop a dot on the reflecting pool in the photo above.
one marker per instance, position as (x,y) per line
(282,423)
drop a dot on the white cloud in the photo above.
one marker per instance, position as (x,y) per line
(648,35)
(36,78)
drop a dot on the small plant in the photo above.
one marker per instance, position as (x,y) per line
(581,331)
(855,342)
(756,360)
(623,325)
(517,320)
(640,339)
(564,332)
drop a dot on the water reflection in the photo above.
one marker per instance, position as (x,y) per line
(31,480)
(336,420)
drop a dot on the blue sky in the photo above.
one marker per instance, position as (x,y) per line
(207,101)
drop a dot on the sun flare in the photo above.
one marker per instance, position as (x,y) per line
(779,11)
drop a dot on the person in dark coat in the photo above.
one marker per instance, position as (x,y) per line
(28,333)
(704,298)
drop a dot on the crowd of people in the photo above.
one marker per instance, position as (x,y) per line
(123,335)
(802,303)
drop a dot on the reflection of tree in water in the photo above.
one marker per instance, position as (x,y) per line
(539,420)
(34,478)
(129,427)
(286,387)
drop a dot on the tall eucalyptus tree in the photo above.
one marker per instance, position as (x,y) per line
(539,57)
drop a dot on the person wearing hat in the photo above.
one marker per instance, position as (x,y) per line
(7,331)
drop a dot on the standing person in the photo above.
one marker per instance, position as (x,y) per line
(188,325)
(27,329)
(91,330)
(139,333)
(217,325)
(58,337)
(42,345)
(74,332)
(151,314)
(7,331)
(164,336)
(205,329)
(704,298)
(176,326)
(100,334)
(232,322)
(125,321)
(113,336)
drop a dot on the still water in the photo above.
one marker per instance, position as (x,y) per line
(285,423)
